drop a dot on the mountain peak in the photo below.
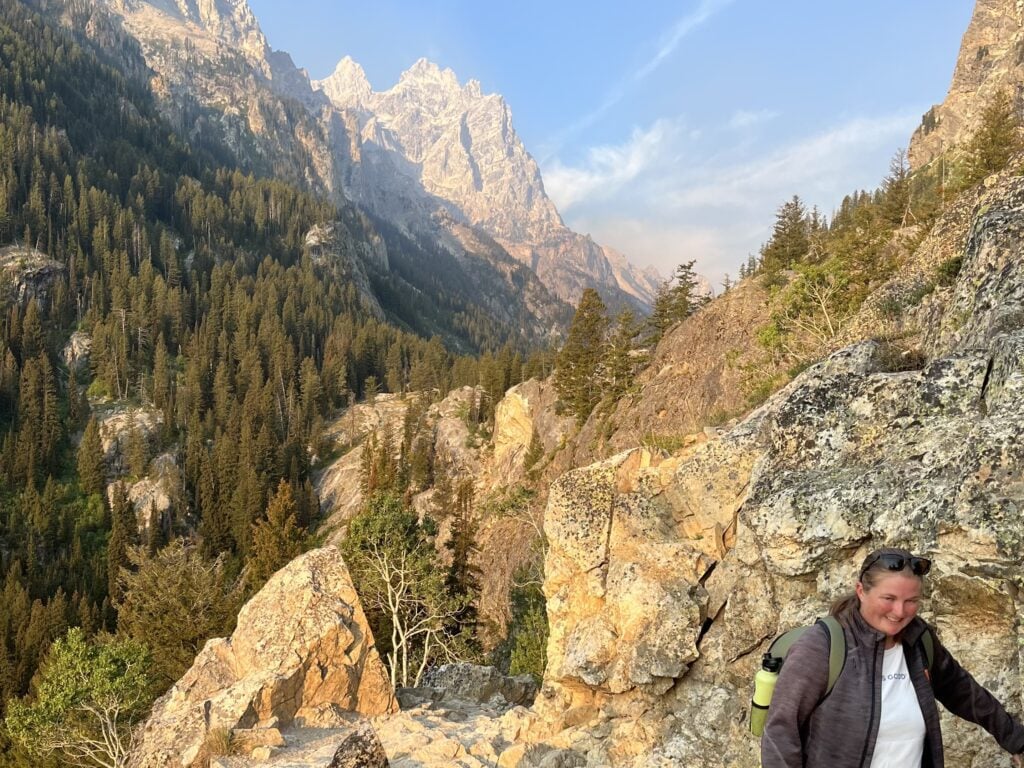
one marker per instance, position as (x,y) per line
(424,72)
(221,22)
(347,85)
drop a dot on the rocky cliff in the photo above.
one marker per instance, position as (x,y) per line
(991,59)
(667,574)
(429,156)
(666,578)
(670,568)
(431,141)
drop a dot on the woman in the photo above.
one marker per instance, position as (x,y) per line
(882,711)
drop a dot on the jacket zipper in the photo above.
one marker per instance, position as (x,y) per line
(871,720)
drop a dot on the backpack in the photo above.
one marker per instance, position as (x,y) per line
(776,656)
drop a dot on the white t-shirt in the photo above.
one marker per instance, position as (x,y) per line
(901,731)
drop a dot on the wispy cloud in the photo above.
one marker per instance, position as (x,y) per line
(804,166)
(743,118)
(682,27)
(608,169)
(669,195)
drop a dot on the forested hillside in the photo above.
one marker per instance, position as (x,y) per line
(192,280)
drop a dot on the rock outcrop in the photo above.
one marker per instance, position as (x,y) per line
(526,417)
(476,684)
(333,244)
(666,578)
(990,61)
(444,431)
(27,274)
(338,485)
(302,644)
(76,352)
(116,426)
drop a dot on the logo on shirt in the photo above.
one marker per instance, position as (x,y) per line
(894,676)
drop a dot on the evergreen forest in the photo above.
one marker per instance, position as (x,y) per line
(205,310)
(163,313)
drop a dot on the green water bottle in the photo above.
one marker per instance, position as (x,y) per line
(764,687)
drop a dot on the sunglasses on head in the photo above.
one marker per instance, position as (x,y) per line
(919,566)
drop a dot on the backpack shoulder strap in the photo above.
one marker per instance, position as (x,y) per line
(836,650)
(928,642)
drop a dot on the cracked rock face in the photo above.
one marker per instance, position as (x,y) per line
(302,644)
(656,627)
(667,577)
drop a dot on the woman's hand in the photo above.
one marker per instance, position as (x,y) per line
(1018,761)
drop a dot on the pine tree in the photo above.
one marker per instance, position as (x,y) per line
(75,411)
(576,374)
(676,300)
(686,295)
(463,579)
(138,452)
(276,539)
(368,479)
(124,533)
(896,190)
(91,470)
(790,241)
(995,141)
(174,603)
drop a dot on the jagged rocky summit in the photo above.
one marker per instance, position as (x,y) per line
(434,158)
(430,134)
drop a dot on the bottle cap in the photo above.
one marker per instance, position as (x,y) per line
(771,663)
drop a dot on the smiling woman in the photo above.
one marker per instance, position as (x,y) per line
(895,672)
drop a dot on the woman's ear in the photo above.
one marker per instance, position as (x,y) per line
(859,589)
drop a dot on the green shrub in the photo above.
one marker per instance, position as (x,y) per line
(949,270)
(528,633)
(666,443)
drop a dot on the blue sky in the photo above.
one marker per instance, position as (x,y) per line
(668,130)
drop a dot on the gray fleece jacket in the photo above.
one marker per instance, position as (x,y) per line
(806,729)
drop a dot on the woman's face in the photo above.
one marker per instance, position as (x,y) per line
(891,603)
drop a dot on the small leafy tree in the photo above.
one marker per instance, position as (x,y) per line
(815,302)
(87,697)
(402,586)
